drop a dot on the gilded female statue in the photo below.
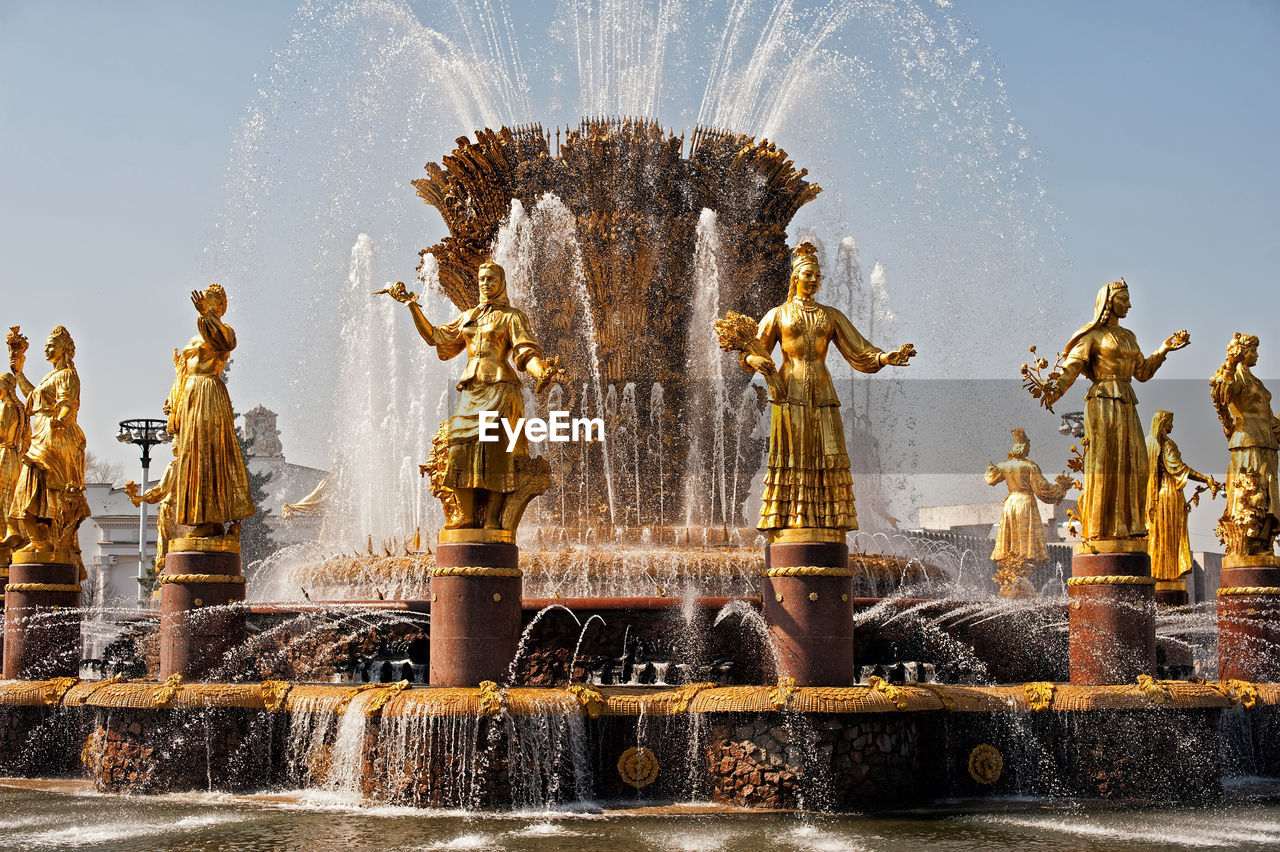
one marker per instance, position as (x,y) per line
(479,474)
(1244,407)
(14,438)
(807,483)
(210,487)
(1113,504)
(48,499)
(1020,536)
(1167,508)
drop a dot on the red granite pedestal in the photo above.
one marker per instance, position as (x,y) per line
(202,615)
(1111,618)
(41,617)
(475,611)
(807,595)
(1249,619)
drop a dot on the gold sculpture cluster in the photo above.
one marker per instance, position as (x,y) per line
(1133,497)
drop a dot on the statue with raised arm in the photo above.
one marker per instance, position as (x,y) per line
(210,487)
(1113,504)
(1167,506)
(1252,517)
(807,484)
(1020,541)
(15,436)
(48,502)
(482,484)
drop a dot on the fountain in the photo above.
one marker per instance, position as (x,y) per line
(635,638)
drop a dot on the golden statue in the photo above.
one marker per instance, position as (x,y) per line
(807,484)
(48,502)
(1253,483)
(1020,537)
(161,493)
(210,486)
(1167,505)
(481,483)
(14,439)
(1113,504)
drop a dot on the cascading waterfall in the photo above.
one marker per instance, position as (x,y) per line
(705,488)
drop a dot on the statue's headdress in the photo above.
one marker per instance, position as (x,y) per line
(62,337)
(1020,436)
(805,253)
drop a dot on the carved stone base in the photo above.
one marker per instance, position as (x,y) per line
(1249,621)
(807,593)
(42,621)
(200,613)
(1111,618)
(475,612)
(1171,593)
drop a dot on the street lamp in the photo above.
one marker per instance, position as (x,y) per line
(1072,424)
(146,433)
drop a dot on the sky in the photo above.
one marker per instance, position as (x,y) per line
(1152,126)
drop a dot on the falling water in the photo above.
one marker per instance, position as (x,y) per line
(705,488)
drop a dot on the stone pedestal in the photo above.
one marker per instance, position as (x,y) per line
(807,595)
(1249,619)
(1171,593)
(475,611)
(201,613)
(41,617)
(1111,618)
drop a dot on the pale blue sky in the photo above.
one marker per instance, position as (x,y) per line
(1155,125)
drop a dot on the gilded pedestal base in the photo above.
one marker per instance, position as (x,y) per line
(42,621)
(200,619)
(1249,619)
(807,593)
(475,612)
(1111,618)
(1171,593)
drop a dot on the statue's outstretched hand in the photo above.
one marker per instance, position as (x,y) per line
(552,372)
(761,364)
(900,356)
(1177,340)
(131,491)
(399,292)
(197,299)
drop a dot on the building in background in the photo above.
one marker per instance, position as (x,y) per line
(287,482)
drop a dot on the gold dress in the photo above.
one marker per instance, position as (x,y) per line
(1021,533)
(807,483)
(50,484)
(210,483)
(1167,543)
(1113,504)
(490,333)
(1253,443)
(13,443)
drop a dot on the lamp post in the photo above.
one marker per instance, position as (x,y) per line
(1072,424)
(145,433)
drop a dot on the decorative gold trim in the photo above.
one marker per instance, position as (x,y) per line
(204,545)
(42,557)
(1170,586)
(986,764)
(802,535)
(1255,560)
(1250,590)
(42,587)
(477,536)
(1112,580)
(1111,545)
(638,766)
(165,579)
(809,571)
(474,571)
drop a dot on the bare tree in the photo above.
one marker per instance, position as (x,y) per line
(98,469)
